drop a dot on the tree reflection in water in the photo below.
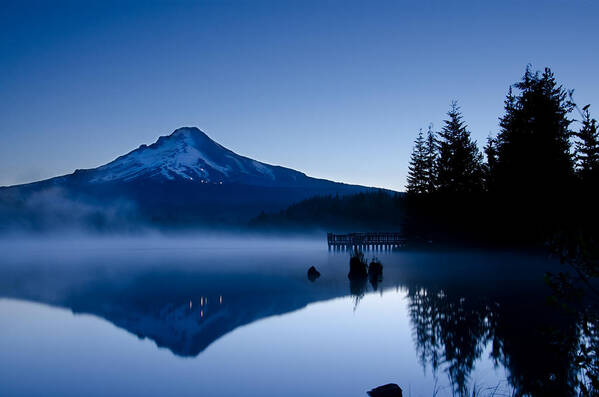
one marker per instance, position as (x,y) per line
(451,331)
(357,289)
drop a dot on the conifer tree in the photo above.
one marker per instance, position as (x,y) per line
(587,149)
(490,168)
(431,157)
(417,182)
(533,147)
(460,162)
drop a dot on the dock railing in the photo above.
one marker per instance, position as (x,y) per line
(373,240)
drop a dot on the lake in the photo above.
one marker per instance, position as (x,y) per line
(239,317)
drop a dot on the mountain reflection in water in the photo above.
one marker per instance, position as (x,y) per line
(460,304)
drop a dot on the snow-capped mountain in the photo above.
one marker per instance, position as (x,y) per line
(190,155)
(184,179)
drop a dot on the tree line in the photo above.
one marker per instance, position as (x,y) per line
(536,149)
(532,183)
(375,210)
(536,179)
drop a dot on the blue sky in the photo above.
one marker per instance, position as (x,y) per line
(336,89)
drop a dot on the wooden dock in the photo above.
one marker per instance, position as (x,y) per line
(365,241)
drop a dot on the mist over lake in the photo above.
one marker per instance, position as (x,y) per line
(225,316)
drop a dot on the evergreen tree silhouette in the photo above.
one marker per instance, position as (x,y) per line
(490,168)
(533,146)
(431,155)
(417,172)
(587,150)
(460,161)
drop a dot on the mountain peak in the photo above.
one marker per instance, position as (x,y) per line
(188,154)
(191,135)
(188,131)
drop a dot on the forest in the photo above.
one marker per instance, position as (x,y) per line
(533,183)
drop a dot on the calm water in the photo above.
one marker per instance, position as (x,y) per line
(231,317)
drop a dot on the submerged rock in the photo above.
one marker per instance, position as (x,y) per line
(388,390)
(313,274)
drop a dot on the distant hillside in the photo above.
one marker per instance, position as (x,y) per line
(376,210)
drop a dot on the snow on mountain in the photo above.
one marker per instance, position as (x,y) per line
(189,154)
